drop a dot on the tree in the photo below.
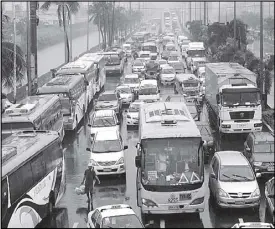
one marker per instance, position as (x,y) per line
(241,31)
(7,60)
(269,26)
(217,34)
(251,19)
(195,29)
(64,13)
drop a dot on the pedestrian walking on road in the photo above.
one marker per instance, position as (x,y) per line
(89,178)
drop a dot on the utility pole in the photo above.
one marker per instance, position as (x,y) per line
(200,12)
(235,25)
(195,11)
(28,49)
(71,34)
(190,11)
(99,24)
(130,16)
(88,27)
(33,42)
(14,52)
(219,12)
(204,13)
(261,54)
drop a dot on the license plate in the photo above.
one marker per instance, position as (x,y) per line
(270,168)
(174,207)
(239,202)
(107,170)
(241,125)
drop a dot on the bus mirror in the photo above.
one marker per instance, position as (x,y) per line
(218,98)
(138,161)
(138,145)
(88,149)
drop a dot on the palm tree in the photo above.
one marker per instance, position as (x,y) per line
(7,59)
(64,13)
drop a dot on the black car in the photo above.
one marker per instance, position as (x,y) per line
(269,196)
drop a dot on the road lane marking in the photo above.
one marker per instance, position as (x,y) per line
(75,224)
(241,220)
(80,129)
(162,223)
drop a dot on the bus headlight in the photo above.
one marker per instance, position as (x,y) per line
(197,201)
(148,203)
(257,163)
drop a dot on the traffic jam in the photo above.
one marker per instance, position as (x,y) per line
(147,133)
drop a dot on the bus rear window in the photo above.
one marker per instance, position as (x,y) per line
(17,126)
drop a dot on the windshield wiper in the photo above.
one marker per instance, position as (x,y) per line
(236,175)
(110,124)
(231,178)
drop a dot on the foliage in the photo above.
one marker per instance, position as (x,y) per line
(241,31)
(7,60)
(251,19)
(269,26)
(217,34)
(195,29)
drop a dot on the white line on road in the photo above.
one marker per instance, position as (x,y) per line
(241,220)
(162,223)
(75,225)
(80,129)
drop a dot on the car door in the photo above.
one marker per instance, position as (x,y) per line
(216,172)
(94,218)
(98,221)
(211,180)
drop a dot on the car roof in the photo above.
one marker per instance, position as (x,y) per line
(167,66)
(125,210)
(137,102)
(174,53)
(131,76)
(151,82)
(104,113)
(107,92)
(123,86)
(262,136)
(231,158)
(103,135)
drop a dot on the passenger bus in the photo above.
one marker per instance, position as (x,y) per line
(42,112)
(170,161)
(114,63)
(99,69)
(149,46)
(87,69)
(72,91)
(33,177)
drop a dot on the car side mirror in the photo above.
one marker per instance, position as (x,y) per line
(218,98)
(125,147)
(88,149)
(248,149)
(212,175)
(258,175)
(138,161)
(89,125)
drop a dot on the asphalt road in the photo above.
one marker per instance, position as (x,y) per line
(73,209)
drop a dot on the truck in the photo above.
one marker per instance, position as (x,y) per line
(232,98)
(195,49)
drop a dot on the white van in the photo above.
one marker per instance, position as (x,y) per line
(107,153)
(149,91)
(103,120)
(127,49)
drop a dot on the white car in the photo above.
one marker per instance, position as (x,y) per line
(125,94)
(107,153)
(145,55)
(132,116)
(162,63)
(167,75)
(103,120)
(114,216)
(149,91)
(132,80)
(253,225)
(138,65)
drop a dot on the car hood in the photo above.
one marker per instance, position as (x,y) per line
(94,130)
(124,95)
(235,187)
(168,76)
(264,157)
(106,103)
(110,156)
(138,67)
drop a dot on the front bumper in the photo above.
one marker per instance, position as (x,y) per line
(239,127)
(108,170)
(238,203)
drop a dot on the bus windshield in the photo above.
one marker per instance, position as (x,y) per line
(171,161)
(112,60)
(17,126)
(148,91)
(196,53)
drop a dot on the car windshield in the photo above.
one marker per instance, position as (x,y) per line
(138,63)
(17,126)
(191,84)
(107,146)
(170,48)
(107,97)
(124,90)
(148,91)
(196,53)
(231,173)
(121,221)
(134,107)
(173,58)
(168,71)
(178,66)
(112,60)
(162,62)
(103,122)
(240,98)
(171,161)
(131,80)
(144,55)
(266,147)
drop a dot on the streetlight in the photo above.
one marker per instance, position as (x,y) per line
(71,38)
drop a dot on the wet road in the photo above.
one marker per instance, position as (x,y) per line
(73,209)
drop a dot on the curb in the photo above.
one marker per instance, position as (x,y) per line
(271,130)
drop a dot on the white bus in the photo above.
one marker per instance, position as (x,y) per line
(42,112)
(87,69)
(99,66)
(170,166)
(33,177)
(149,91)
(72,91)
(149,46)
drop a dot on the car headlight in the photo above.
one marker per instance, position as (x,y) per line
(257,163)
(222,193)
(93,162)
(256,193)
(120,161)
(148,203)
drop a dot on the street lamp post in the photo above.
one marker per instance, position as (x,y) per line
(235,25)
(14,52)
(261,54)
(88,27)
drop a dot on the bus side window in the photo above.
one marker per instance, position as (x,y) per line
(4,197)
(21,181)
(38,167)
